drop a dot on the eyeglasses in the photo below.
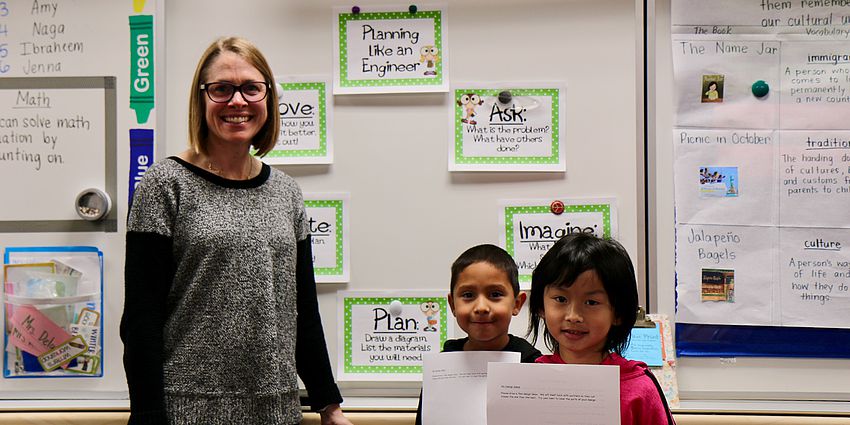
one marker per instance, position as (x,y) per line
(252,91)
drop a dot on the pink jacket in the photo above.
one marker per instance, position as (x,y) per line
(640,400)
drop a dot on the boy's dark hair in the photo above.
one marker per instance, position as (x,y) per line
(571,256)
(490,254)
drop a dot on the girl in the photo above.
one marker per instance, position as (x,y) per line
(584,289)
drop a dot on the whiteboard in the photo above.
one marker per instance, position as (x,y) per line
(717,383)
(67,64)
(409,216)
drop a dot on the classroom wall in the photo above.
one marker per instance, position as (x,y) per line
(410,217)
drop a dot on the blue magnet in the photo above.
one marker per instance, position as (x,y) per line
(760,88)
(412,8)
(505,97)
(355,10)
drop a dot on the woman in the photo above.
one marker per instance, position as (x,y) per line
(220,304)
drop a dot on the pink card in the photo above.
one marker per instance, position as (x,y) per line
(34,332)
(9,288)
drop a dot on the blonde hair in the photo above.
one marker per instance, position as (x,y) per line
(266,138)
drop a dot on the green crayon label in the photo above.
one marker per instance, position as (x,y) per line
(141,66)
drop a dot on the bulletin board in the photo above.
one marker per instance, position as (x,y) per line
(781,341)
(409,216)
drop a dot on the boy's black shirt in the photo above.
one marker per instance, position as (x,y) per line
(528,354)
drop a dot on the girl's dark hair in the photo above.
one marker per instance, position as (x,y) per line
(571,256)
(490,254)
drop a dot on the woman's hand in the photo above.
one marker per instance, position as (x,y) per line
(332,415)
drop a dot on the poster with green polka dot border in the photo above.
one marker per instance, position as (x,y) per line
(529,227)
(507,127)
(306,117)
(390,49)
(385,333)
(327,218)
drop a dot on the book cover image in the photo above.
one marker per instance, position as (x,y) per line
(718,285)
(719,182)
(712,89)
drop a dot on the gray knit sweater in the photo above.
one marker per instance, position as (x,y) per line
(218,288)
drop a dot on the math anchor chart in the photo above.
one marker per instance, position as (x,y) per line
(66,71)
(762,162)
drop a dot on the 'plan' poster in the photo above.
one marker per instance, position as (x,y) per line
(385,333)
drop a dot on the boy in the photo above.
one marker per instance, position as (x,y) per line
(484,296)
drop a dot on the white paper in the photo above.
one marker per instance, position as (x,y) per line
(741,64)
(768,248)
(734,17)
(814,179)
(748,252)
(815,82)
(454,385)
(752,153)
(48,135)
(814,273)
(544,394)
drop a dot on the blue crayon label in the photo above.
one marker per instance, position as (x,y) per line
(141,157)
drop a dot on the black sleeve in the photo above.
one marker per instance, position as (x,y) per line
(311,352)
(148,273)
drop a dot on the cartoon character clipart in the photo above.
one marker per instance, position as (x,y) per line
(469,102)
(428,56)
(432,315)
